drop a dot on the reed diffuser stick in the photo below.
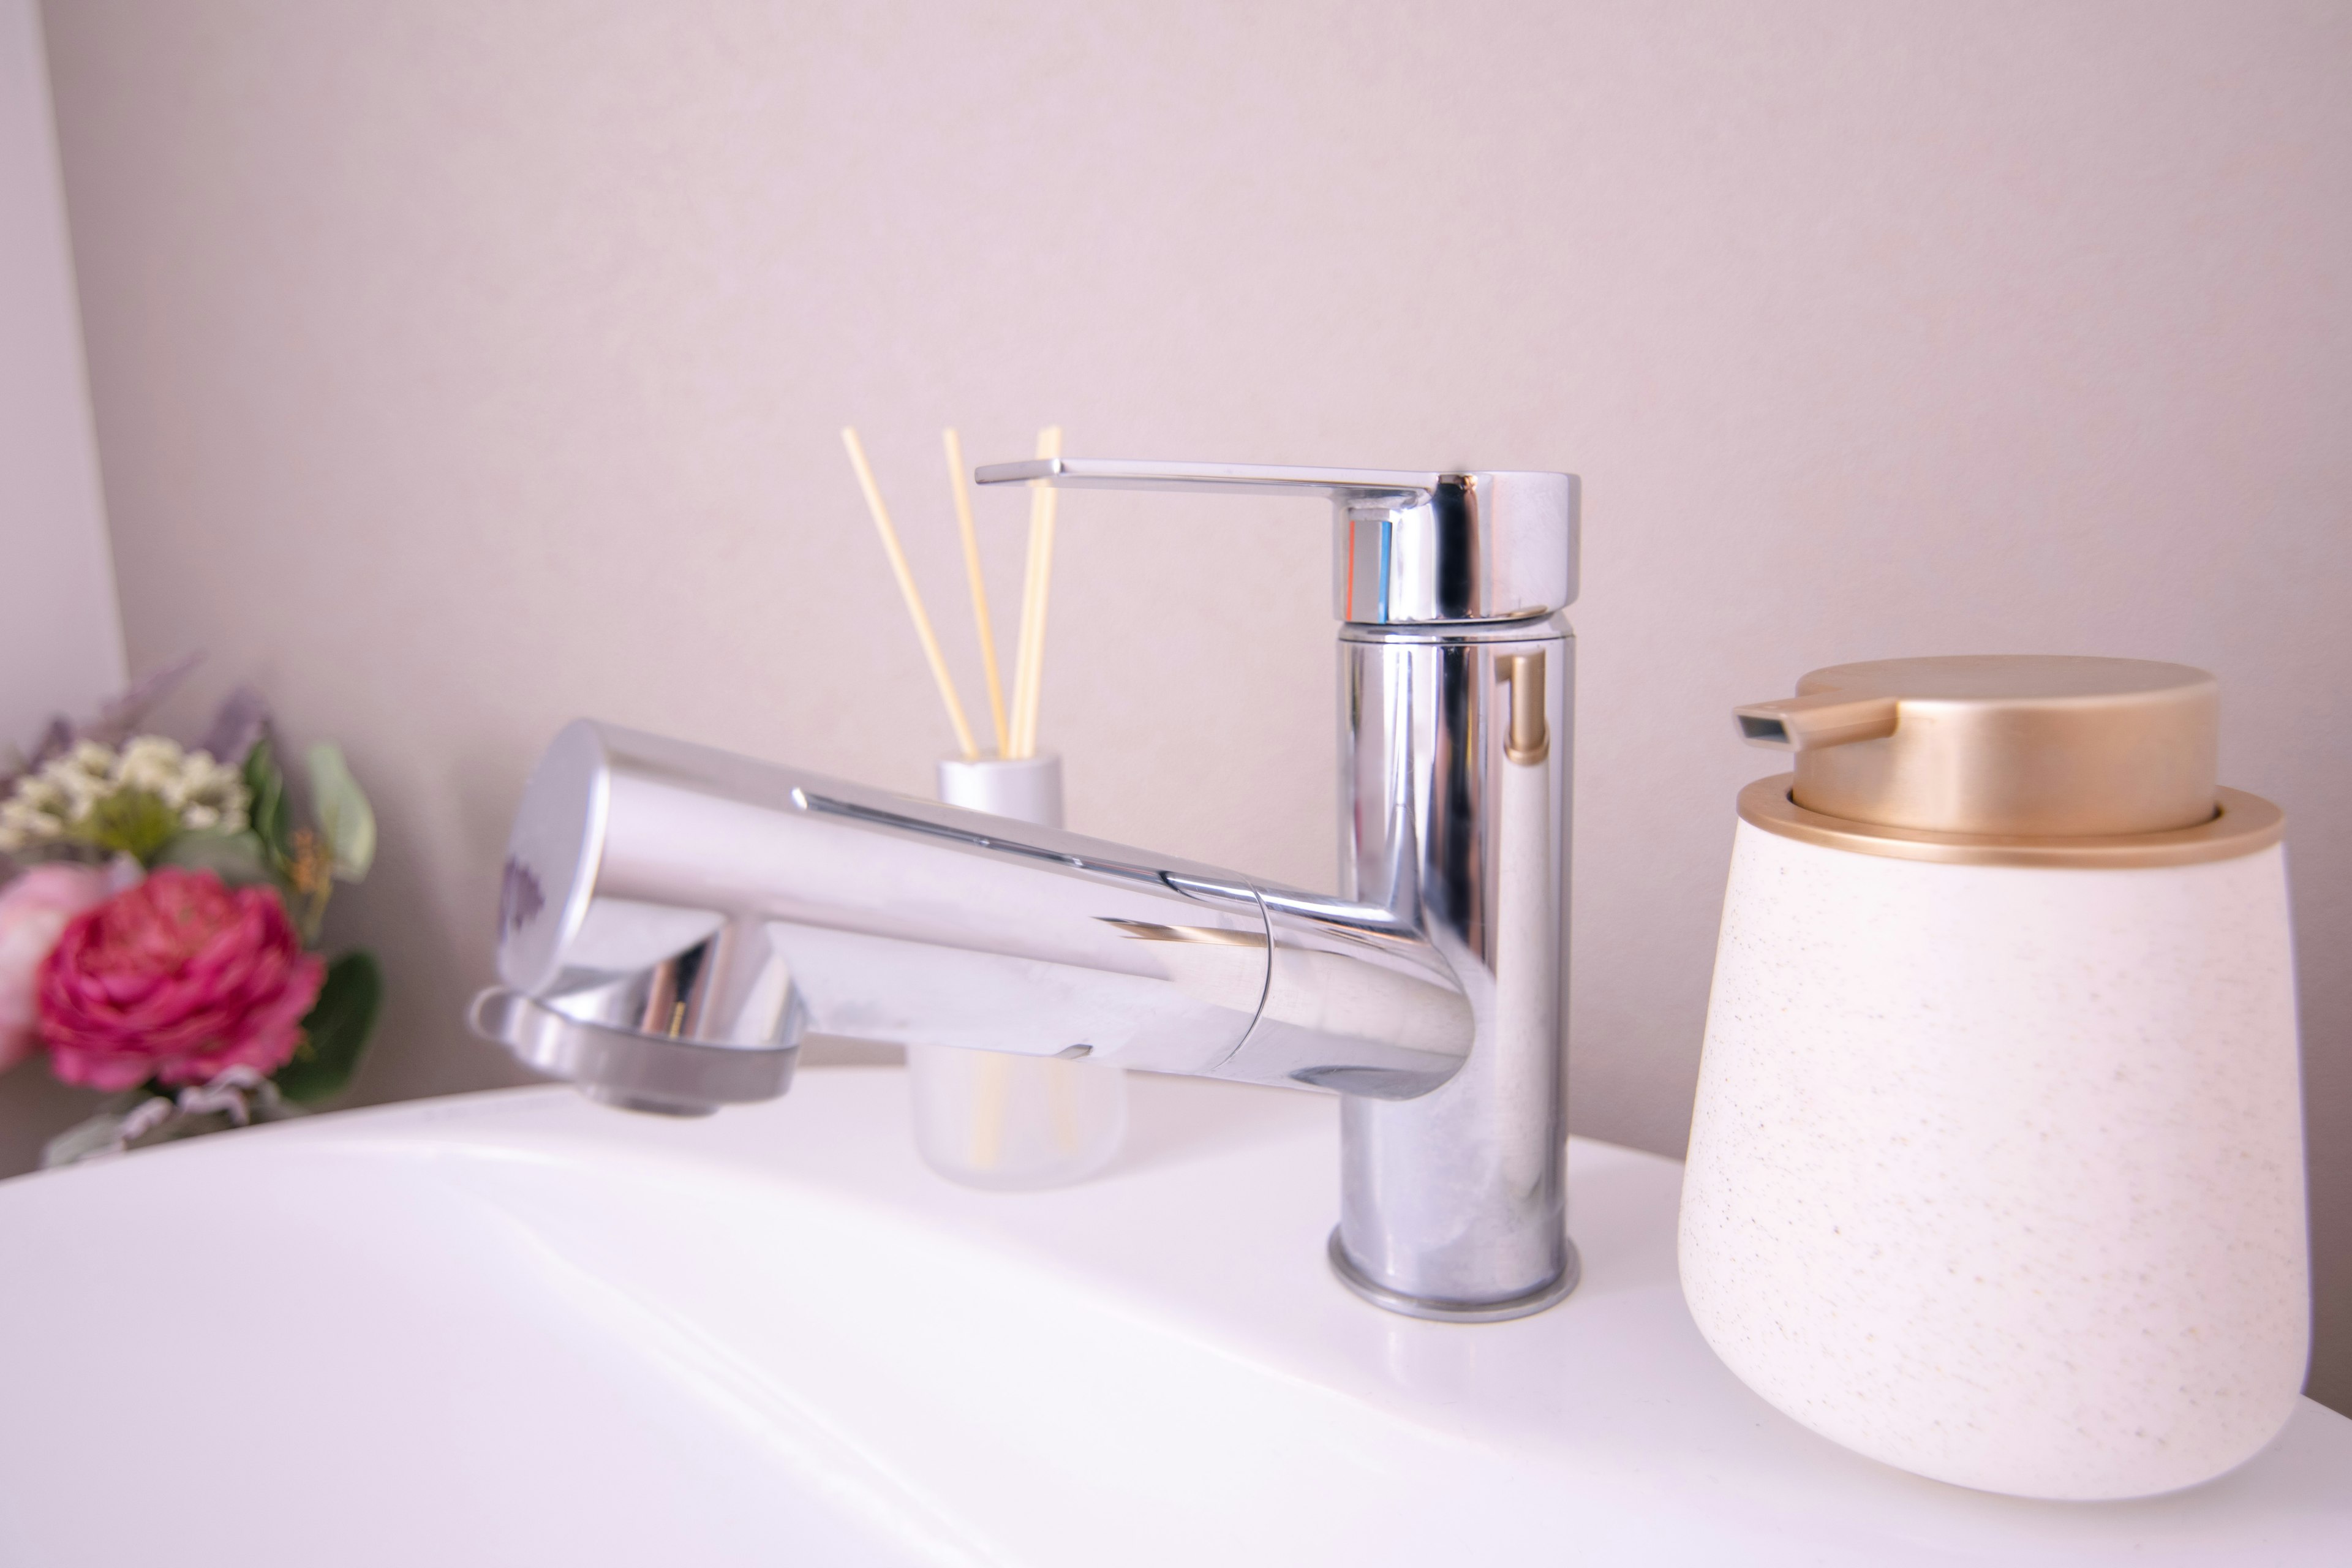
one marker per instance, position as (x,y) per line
(1029,667)
(958,478)
(1022,650)
(907,587)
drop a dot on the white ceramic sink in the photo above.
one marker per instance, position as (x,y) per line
(518,1328)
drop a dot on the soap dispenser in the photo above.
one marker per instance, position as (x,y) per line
(1995,1168)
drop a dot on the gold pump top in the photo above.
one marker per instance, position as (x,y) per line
(2006,757)
(2039,745)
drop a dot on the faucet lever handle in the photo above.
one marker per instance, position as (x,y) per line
(1409,547)
(1341,485)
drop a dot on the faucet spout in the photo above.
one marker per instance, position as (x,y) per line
(688,914)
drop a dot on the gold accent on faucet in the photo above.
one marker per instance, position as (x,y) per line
(1529,741)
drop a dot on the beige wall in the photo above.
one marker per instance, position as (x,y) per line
(61,639)
(460,368)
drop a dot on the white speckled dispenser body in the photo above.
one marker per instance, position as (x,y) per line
(1996,1172)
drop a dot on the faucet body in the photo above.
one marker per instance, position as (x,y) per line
(1453,1204)
(676,919)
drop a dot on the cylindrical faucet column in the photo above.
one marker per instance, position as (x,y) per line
(1453,1205)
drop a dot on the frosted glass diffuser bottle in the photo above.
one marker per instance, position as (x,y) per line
(1996,1170)
(991,1118)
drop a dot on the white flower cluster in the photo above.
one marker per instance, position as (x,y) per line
(45,806)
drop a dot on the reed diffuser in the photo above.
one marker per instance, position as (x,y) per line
(991,1119)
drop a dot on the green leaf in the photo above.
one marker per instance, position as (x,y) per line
(272,823)
(233,858)
(344,815)
(335,1030)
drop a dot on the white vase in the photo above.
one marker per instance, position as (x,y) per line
(1996,1170)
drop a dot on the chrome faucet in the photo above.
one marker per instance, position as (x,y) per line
(675,920)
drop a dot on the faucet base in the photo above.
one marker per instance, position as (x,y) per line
(1524,1305)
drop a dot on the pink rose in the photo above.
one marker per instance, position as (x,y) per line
(181,979)
(34,909)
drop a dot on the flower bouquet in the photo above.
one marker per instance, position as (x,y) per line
(158,909)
